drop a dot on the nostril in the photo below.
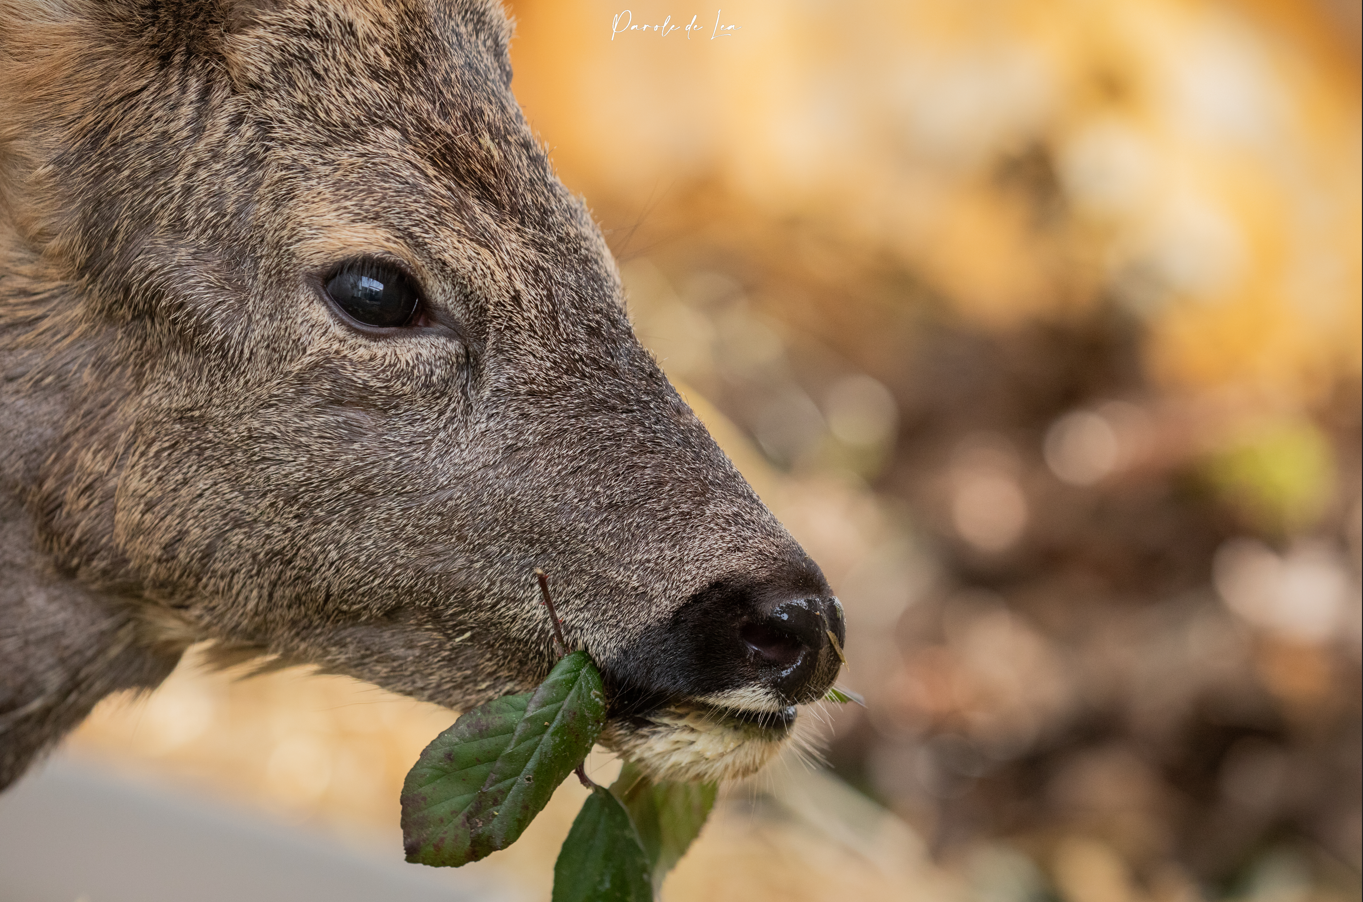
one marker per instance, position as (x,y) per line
(772,643)
(792,634)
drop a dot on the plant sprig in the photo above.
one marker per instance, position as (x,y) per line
(480,783)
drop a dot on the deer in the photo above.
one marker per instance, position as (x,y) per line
(307,356)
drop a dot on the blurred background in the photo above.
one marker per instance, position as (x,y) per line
(1038,323)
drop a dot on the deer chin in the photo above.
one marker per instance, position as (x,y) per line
(700,742)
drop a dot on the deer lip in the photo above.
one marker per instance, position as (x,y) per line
(779,721)
(770,724)
(639,707)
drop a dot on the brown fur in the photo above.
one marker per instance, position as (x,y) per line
(197,448)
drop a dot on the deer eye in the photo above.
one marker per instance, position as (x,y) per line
(374,293)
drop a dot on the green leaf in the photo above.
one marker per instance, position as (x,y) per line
(446,778)
(843,696)
(668,815)
(602,860)
(477,787)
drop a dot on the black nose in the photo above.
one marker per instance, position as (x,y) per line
(779,636)
(797,646)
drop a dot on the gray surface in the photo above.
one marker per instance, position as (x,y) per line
(72,833)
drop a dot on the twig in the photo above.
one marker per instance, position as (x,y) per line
(832,637)
(837,647)
(553,615)
(563,650)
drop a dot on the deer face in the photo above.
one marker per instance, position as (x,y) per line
(364,365)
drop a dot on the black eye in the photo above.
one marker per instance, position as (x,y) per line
(374,293)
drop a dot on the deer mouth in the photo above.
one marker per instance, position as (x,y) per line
(776,722)
(709,693)
(696,741)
